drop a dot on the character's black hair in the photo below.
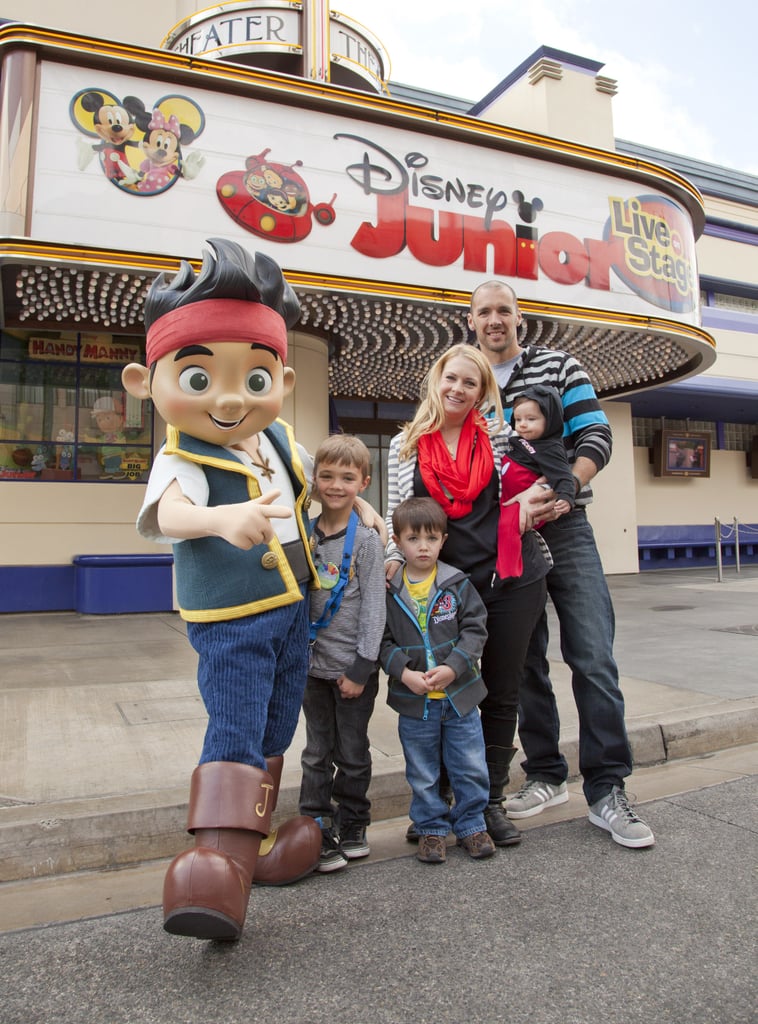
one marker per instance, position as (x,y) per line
(229,272)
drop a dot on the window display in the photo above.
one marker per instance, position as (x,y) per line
(63,412)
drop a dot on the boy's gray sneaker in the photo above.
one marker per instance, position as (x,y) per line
(614,813)
(353,841)
(332,858)
(534,796)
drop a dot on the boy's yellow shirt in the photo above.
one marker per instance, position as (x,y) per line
(419,594)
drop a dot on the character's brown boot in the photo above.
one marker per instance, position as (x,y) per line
(290,851)
(206,890)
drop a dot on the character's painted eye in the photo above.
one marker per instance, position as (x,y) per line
(259,382)
(194,380)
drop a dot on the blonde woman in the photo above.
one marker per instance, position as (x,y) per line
(451,451)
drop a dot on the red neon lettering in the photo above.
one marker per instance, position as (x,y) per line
(387,237)
(603,254)
(439,251)
(563,258)
(477,239)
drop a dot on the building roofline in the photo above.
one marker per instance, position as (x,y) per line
(542,52)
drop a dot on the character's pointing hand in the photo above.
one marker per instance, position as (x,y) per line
(243,524)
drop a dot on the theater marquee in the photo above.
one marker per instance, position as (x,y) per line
(370,193)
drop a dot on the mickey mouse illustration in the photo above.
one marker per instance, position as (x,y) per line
(115,124)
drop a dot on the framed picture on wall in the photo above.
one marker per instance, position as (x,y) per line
(681,453)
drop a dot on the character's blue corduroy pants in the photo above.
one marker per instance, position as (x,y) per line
(252,674)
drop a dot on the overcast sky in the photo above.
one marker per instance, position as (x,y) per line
(686,72)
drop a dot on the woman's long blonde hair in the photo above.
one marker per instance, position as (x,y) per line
(430,415)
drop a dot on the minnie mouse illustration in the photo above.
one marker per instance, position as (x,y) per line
(163,161)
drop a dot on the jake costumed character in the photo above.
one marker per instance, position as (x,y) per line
(230,490)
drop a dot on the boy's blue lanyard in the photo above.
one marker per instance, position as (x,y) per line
(335,598)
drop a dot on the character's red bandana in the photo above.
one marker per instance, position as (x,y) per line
(217,320)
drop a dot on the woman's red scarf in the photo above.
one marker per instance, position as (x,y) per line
(455,483)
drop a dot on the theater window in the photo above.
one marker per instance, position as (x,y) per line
(63,413)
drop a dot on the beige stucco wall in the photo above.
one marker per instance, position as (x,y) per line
(569,108)
(726,259)
(142,22)
(736,356)
(49,523)
(307,407)
(728,492)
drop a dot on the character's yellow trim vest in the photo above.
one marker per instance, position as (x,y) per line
(214,579)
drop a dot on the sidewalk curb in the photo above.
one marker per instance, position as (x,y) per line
(39,840)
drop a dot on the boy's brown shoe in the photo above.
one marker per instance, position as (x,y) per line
(432,850)
(478,846)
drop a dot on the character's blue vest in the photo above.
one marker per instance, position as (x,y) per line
(216,580)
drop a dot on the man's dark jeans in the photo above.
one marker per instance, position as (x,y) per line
(576,584)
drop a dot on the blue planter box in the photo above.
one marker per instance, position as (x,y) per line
(115,584)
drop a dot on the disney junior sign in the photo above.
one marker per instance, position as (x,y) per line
(350,190)
(442,219)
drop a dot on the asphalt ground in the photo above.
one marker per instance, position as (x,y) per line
(567,928)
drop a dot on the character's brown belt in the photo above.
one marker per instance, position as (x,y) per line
(295,554)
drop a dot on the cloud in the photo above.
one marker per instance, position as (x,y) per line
(679,86)
(646,110)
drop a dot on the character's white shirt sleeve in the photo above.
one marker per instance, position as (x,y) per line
(194,485)
(166,469)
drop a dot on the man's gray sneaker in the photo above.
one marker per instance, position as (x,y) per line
(614,813)
(534,796)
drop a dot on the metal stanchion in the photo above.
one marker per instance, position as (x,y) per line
(719,565)
(737,544)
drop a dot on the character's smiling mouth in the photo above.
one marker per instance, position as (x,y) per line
(225,424)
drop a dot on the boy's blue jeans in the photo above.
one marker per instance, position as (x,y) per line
(444,734)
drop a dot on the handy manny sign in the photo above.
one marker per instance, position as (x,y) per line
(347,189)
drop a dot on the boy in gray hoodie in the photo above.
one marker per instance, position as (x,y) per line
(433,640)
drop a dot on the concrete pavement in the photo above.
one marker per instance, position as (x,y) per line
(101,723)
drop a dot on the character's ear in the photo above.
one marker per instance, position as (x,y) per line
(288,380)
(136,380)
(365,483)
(92,101)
